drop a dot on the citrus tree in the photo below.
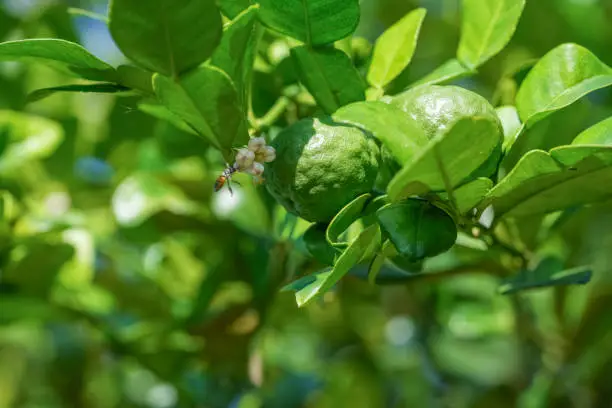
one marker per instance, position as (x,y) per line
(347,164)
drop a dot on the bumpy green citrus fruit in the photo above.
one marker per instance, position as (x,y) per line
(320,167)
(436,108)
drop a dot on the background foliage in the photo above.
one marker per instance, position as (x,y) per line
(126,282)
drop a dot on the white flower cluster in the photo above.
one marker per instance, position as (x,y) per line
(250,159)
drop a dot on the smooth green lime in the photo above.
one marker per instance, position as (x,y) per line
(436,108)
(320,167)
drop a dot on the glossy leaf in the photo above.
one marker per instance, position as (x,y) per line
(599,134)
(345,217)
(208,102)
(236,52)
(486,28)
(511,123)
(314,22)
(417,228)
(329,75)
(394,49)
(560,78)
(544,182)
(389,124)
(377,263)
(166,36)
(469,195)
(449,158)
(27,137)
(548,273)
(84,88)
(65,55)
(363,244)
(451,70)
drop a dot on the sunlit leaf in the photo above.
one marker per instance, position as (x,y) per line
(394,49)
(560,78)
(486,28)
(68,56)
(450,71)
(448,159)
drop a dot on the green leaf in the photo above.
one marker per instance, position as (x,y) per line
(166,36)
(511,123)
(135,78)
(231,8)
(345,217)
(29,138)
(486,28)
(75,11)
(469,195)
(236,52)
(329,75)
(394,49)
(65,55)
(393,127)
(85,88)
(599,134)
(548,273)
(363,244)
(314,22)
(451,70)
(560,78)
(417,228)
(316,243)
(544,182)
(207,101)
(161,112)
(449,158)
(387,250)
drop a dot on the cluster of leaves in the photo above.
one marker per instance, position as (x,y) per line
(269,65)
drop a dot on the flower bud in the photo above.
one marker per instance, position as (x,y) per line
(269,154)
(244,158)
(256,169)
(256,144)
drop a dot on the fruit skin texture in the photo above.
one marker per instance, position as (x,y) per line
(320,167)
(436,107)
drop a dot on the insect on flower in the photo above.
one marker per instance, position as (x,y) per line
(249,160)
(226,177)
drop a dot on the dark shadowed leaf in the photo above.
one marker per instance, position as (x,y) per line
(394,49)
(65,55)
(329,75)
(417,228)
(166,36)
(548,273)
(449,158)
(316,243)
(486,28)
(389,124)
(315,22)
(85,88)
(560,78)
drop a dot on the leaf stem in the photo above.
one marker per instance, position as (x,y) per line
(274,114)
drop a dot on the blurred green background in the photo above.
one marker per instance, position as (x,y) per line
(125,282)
